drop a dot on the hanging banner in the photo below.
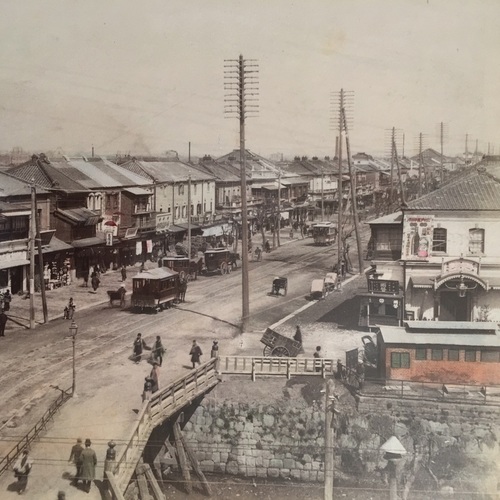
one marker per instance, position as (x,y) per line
(138,248)
(417,236)
(149,246)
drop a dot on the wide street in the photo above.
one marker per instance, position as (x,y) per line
(109,384)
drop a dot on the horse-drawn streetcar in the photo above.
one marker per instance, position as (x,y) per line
(155,289)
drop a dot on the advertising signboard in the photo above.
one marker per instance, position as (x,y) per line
(417,236)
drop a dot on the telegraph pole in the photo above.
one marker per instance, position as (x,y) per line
(189,216)
(441,129)
(322,196)
(420,165)
(391,194)
(278,222)
(40,263)
(340,192)
(242,89)
(466,148)
(32,255)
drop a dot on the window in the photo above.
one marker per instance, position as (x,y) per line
(420,353)
(476,241)
(453,354)
(194,188)
(470,355)
(181,189)
(437,354)
(439,240)
(490,356)
(400,360)
(184,211)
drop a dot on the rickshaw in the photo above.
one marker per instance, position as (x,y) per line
(278,345)
(219,260)
(324,233)
(279,283)
(183,265)
(155,290)
(330,282)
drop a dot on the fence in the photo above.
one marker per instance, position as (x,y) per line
(265,366)
(161,406)
(8,459)
(406,389)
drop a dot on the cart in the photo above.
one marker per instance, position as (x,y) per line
(279,283)
(183,265)
(318,289)
(278,345)
(330,282)
(220,260)
(117,295)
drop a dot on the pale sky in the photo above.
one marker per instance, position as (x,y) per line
(147,76)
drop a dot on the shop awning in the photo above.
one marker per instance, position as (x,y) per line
(78,216)
(422,282)
(7,264)
(218,230)
(176,229)
(87,242)
(138,191)
(56,245)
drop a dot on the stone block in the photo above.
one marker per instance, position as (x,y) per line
(313,475)
(295,473)
(251,472)
(207,465)
(259,461)
(307,458)
(288,463)
(272,472)
(261,472)
(304,475)
(249,427)
(218,467)
(275,463)
(316,465)
(215,456)
(308,466)
(224,456)
(321,476)
(251,461)
(239,426)
(268,420)
(232,467)
(285,473)
(265,462)
(219,423)
(200,420)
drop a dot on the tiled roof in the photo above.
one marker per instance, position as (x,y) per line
(11,186)
(476,191)
(45,175)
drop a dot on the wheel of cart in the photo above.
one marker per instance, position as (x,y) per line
(280,352)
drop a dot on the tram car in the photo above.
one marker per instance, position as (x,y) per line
(186,268)
(219,260)
(155,290)
(324,233)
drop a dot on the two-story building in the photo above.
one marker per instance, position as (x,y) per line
(444,250)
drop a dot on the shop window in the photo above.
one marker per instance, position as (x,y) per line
(437,354)
(400,360)
(476,241)
(470,355)
(439,237)
(490,356)
(420,353)
(453,354)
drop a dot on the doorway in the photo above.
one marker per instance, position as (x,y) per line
(16,279)
(452,307)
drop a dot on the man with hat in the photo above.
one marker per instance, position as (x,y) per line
(88,461)
(74,458)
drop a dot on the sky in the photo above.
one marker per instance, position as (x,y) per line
(145,77)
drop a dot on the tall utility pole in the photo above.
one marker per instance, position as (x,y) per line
(420,165)
(441,166)
(278,222)
(32,255)
(340,191)
(400,177)
(189,216)
(466,148)
(322,196)
(40,263)
(354,201)
(241,87)
(391,192)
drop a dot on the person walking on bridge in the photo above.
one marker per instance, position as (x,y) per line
(88,461)
(195,353)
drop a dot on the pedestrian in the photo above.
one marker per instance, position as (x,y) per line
(86,278)
(298,334)
(155,377)
(74,457)
(267,246)
(317,355)
(3,321)
(340,370)
(22,468)
(158,351)
(195,353)
(124,273)
(7,299)
(182,290)
(61,495)
(139,345)
(69,310)
(291,233)
(95,281)
(214,353)
(88,461)
(148,389)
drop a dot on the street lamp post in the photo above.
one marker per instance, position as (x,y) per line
(73,330)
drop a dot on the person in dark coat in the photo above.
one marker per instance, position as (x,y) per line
(298,334)
(88,461)
(7,299)
(69,310)
(95,281)
(148,389)
(3,321)
(74,457)
(214,353)
(155,377)
(158,351)
(195,353)
(317,355)
(86,279)
(124,273)
(183,284)
(139,346)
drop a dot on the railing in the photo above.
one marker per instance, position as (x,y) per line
(34,431)
(407,389)
(161,406)
(265,366)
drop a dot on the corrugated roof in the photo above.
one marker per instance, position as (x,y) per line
(156,273)
(166,171)
(394,218)
(397,335)
(466,326)
(138,191)
(476,191)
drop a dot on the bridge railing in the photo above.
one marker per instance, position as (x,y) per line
(258,365)
(162,404)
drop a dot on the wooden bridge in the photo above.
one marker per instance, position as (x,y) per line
(169,401)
